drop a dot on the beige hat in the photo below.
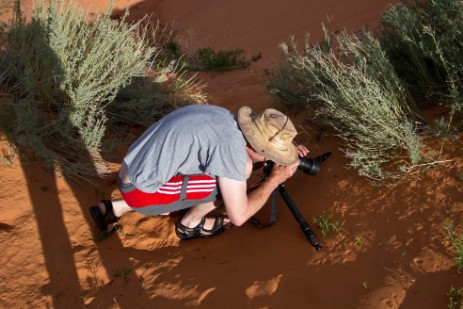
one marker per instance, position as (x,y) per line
(270,133)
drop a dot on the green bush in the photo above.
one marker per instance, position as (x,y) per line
(67,75)
(424,41)
(356,90)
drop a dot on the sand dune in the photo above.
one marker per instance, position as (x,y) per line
(393,252)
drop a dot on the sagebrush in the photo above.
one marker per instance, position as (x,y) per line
(66,73)
(423,40)
(353,87)
(371,88)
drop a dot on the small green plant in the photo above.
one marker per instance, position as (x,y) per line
(455,298)
(365,284)
(441,127)
(324,222)
(207,59)
(359,240)
(457,243)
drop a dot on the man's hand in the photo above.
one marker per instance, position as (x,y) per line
(281,173)
(302,151)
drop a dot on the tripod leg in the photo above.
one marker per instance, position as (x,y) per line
(299,218)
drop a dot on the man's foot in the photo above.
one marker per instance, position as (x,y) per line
(104,217)
(216,227)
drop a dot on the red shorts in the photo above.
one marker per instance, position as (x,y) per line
(182,191)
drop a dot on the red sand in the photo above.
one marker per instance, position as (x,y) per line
(394,251)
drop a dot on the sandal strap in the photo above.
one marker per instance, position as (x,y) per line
(218,222)
(217,228)
(190,229)
(201,224)
(185,232)
(109,215)
(103,220)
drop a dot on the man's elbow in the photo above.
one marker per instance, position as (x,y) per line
(238,220)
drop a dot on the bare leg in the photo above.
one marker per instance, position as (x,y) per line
(194,215)
(120,207)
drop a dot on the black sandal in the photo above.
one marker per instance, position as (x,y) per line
(103,220)
(184,232)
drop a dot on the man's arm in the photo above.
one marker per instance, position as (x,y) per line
(242,206)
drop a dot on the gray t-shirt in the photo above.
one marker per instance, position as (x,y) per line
(196,139)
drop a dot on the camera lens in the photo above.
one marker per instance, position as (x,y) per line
(312,166)
(309,166)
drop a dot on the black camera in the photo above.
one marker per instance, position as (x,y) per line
(310,166)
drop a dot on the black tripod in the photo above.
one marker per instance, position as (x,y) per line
(299,218)
(308,166)
(296,213)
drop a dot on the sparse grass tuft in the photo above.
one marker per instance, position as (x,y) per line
(365,285)
(327,226)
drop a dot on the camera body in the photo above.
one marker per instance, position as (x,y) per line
(309,166)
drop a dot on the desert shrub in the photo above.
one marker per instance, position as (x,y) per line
(66,73)
(355,89)
(424,41)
